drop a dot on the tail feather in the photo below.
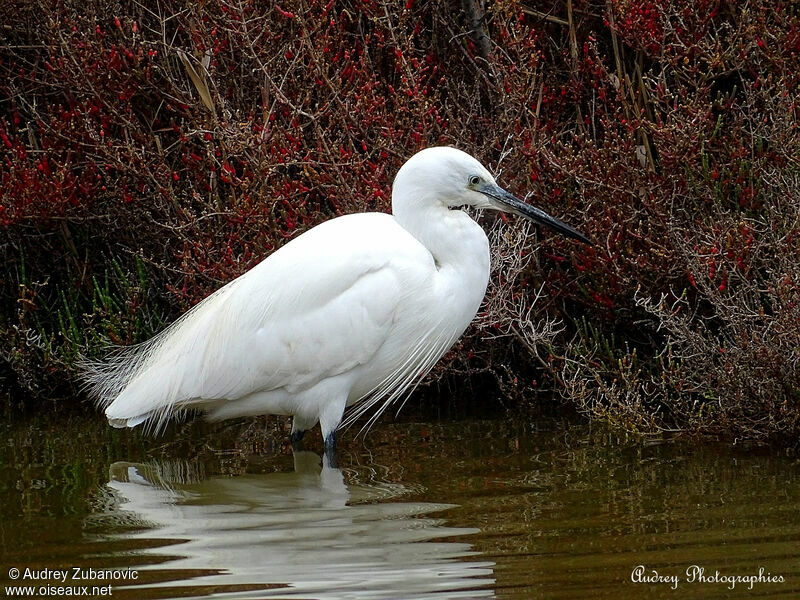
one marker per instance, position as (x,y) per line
(115,384)
(105,380)
(131,422)
(149,382)
(141,383)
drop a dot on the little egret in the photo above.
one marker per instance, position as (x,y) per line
(352,312)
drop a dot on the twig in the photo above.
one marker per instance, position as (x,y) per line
(545,16)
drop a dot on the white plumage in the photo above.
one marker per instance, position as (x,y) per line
(356,309)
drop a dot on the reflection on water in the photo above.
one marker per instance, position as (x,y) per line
(504,509)
(305,533)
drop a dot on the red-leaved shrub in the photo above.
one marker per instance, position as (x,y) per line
(151,153)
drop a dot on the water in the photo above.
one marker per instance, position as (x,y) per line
(462,509)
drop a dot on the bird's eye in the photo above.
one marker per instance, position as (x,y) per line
(474,180)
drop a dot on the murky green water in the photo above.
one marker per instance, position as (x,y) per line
(466,509)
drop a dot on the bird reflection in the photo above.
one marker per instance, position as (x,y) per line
(305,534)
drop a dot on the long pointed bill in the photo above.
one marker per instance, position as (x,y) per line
(508,202)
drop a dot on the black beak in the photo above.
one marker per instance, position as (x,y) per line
(508,202)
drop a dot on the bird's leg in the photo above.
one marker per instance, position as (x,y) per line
(300,424)
(297,438)
(329,419)
(330,449)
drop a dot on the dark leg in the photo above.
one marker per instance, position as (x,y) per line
(330,449)
(296,438)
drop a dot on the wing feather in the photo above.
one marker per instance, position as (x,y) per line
(319,306)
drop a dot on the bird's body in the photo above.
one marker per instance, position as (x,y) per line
(356,309)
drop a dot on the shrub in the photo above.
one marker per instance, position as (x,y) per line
(153,153)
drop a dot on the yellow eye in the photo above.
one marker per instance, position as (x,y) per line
(474,180)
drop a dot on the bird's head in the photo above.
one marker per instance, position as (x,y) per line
(456,179)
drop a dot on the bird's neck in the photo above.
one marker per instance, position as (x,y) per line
(451,236)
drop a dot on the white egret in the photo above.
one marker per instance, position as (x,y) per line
(352,312)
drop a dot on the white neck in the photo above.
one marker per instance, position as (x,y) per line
(458,245)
